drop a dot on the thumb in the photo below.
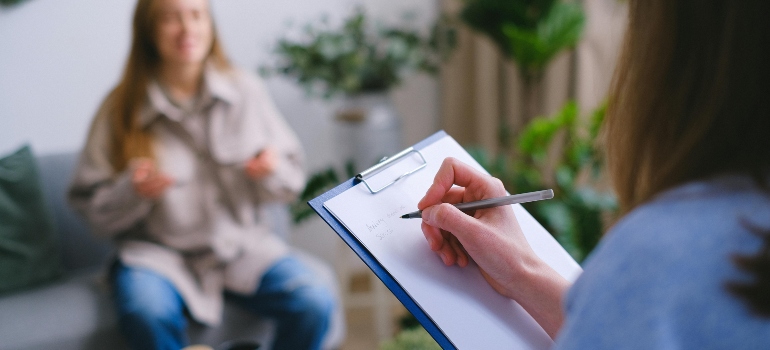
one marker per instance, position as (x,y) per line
(448,218)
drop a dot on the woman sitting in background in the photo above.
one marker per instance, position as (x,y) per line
(180,157)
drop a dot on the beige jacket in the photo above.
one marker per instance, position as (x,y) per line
(206,233)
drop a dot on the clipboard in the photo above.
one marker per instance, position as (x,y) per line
(318,205)
(368,257)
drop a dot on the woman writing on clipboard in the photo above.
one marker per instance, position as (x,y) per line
(688,147)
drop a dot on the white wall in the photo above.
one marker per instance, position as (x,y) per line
(59,58)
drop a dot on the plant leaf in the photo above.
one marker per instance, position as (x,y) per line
(534,48)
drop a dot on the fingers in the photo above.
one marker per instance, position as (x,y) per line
(143,168)
(447,217)
(442,183)
(262,165)
(450,232)
(154,187)
(455,195)
(267,154)
(257,170)
(433,236)
(446,245)
(147,180)
(452,252)
(254,169)
(454,172)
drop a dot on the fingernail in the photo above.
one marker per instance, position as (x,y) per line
(432,243)
(443,258)
(426,215)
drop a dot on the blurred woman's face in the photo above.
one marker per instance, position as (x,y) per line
(183,32)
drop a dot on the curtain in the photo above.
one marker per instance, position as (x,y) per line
(481,90)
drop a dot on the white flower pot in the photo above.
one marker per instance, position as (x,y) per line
(368,128)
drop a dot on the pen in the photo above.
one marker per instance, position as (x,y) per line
(493,202)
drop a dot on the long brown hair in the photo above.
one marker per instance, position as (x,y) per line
(128,138)
(690,100)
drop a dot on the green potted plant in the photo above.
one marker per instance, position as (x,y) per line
(563,145)
(358,62)
(530,33)
(355,58)
(361,62)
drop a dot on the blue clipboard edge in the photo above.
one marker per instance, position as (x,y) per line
(369,259)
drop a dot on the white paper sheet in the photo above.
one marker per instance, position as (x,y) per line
(458,300)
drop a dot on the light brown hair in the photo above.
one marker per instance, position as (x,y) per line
(128,138)
(691,100)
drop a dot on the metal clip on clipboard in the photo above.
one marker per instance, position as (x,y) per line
(384,163)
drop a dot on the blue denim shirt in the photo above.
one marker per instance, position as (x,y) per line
(657,280)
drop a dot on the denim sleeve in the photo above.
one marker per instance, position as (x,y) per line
(610,306)
(657,280)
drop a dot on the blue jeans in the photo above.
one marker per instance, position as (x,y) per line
(152,314)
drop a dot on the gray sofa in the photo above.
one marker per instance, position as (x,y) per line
(76,312)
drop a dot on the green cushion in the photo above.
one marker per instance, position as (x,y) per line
(29,252)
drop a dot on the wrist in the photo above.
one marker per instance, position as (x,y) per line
(539,289)
(526,276)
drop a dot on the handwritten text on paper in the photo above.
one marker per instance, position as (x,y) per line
(380,226)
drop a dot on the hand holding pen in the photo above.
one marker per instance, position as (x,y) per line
(491,237)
